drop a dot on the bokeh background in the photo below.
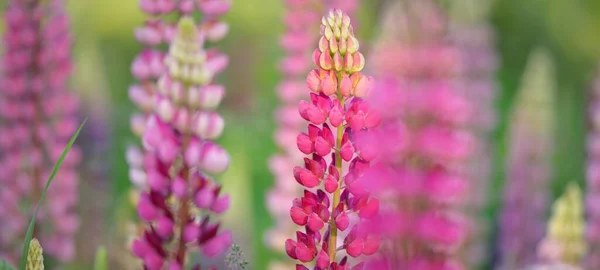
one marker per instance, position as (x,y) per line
(105,47)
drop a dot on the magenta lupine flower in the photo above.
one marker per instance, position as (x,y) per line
(592,259)
(332,198)
(38,118)
(423,144)
(180,155)
(301,21)
(525,202)
(476,81)
(148,66)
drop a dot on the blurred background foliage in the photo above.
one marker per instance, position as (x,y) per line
(569,29)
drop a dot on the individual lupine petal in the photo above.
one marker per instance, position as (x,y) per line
(303,253)
(315,223)
(371,245)
(342,221)
(331,184)
(217,245)
(346,86)
(313,81)
(363,87)
(322,146)
(290,248)
(221,204)
(208,125)
(146,210)
(165,227)
(305,177)
(338,62)
(325,61)
(214,159)
(204,198)
(355,247)
(299,216)
(323,259)
(305,144)
(329,85)
(370,209)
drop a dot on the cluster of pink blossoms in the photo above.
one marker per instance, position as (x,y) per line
(592,260)
(301,21)
(149,65)
(342,200)
(423,144)
(38,118)
(181,198)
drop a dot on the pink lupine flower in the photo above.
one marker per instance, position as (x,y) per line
(325,212)
(422,145)
(148,66)
(38,117)
(474,38)
(592,197)
(179,195)
(301,21)
(526,192)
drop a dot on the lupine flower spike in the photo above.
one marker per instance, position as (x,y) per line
(35,256)
(302,24)
(592,196)
(336,114)
(474,38)
(522,218)
(564,245)
(424,142)
(182,198)
(38,117)
(149,65)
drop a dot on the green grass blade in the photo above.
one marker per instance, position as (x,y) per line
(5,266)
(29,233)
(101,261)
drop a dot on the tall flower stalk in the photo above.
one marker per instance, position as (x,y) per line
(158,30)
(474,38)
(526,191)
(592,196)
(38,116)
(181,198)
(424,142)
(325,210)
(301,21)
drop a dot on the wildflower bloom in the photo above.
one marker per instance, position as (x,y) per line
(301,21)
(336,112)
(423,144)
(522,218)
(149,65)
(475,81)
(38,118)
(592,196)
(181,195)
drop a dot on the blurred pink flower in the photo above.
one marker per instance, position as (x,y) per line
(39,117)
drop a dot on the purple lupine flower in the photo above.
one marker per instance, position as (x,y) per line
(180,155)
(476,81)
(592,196)
(301,21)
(525,202)
(423,144)
(38,118)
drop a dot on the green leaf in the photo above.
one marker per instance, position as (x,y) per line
(101,261)
(5,266)
(29,234)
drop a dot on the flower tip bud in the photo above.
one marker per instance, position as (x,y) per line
(187,29)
